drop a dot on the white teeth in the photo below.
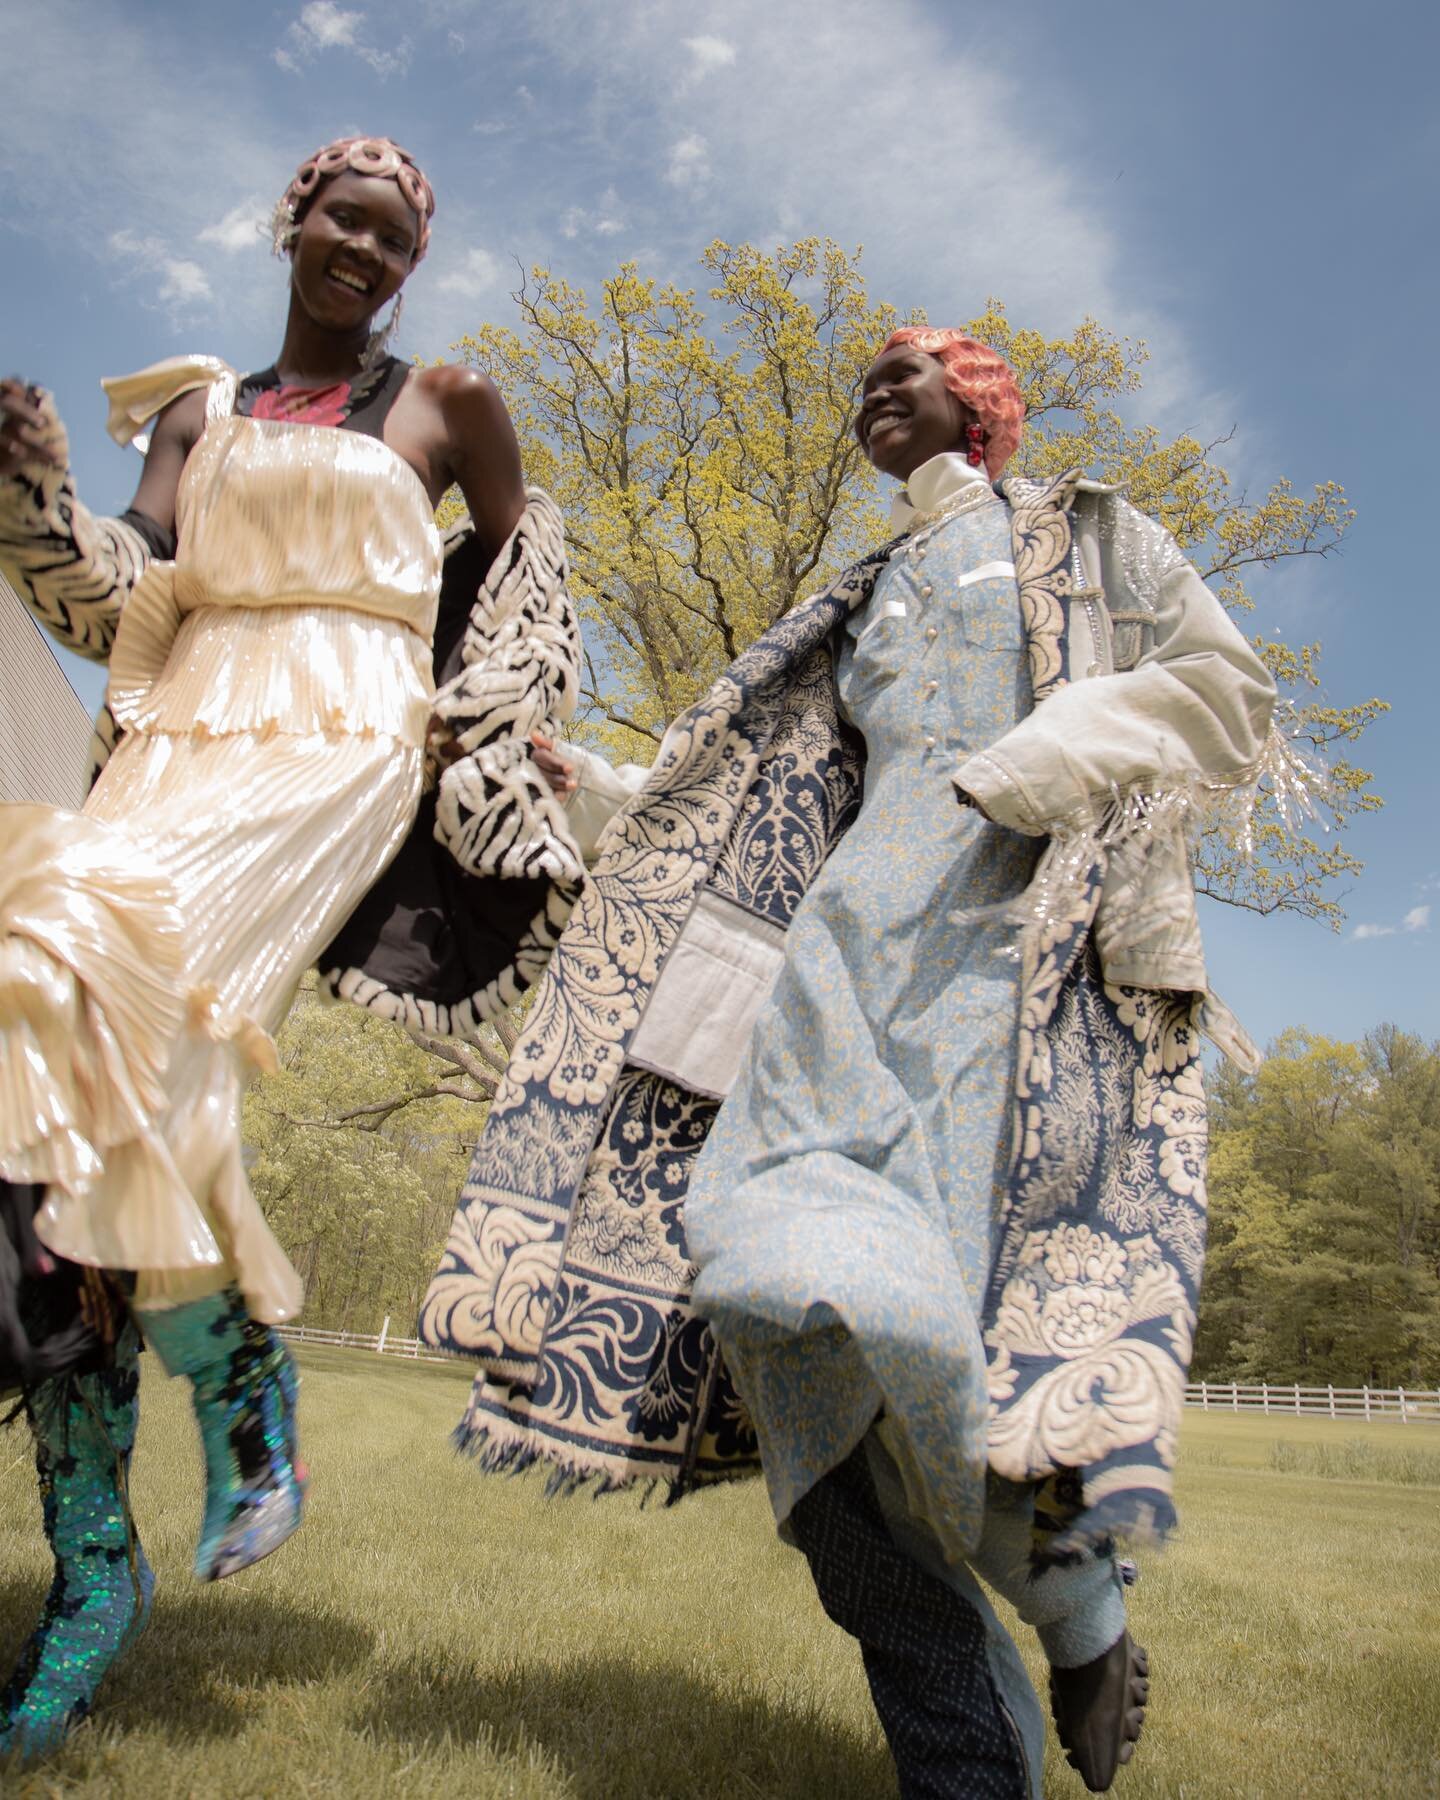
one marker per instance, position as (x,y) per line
(351,281)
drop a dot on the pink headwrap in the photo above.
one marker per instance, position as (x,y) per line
(366,156)
(981,378)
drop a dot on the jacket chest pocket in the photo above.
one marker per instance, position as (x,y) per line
(1133,634)
(879,651)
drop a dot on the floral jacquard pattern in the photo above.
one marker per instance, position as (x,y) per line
(800,804)
(1041,535)
(1092,1304)
(566,1271)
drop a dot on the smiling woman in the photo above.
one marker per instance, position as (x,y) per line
(276,614)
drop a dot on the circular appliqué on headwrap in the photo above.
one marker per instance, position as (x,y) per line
(376,156)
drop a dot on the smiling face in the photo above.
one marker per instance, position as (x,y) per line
(907,413)
(356,245)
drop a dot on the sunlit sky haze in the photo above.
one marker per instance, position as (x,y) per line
(1248,187)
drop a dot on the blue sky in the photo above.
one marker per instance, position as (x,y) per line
(1249,187)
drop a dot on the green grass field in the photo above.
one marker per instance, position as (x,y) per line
(434,1632)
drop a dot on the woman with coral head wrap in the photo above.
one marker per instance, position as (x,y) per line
(847,1213)
(888,1110)
(268,608)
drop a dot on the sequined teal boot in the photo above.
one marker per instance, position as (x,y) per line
(84,1428)
(244,1395)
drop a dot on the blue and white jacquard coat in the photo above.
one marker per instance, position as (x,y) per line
(566,1273)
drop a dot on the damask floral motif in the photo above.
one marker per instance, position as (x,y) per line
(1040,529)
(626,1222)
(1093,1295)
(489,1256)
(563,1318)
(727,1441)
(574,1287)
(804,796)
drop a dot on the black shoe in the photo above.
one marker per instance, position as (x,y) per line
(1099,1709)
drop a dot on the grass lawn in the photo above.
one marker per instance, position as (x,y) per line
(432,1632)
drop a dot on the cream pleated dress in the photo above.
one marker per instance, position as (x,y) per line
(273,686)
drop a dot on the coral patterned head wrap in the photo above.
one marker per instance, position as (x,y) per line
(981,378)
(366,156)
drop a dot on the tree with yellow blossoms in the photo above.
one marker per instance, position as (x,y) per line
(710,478)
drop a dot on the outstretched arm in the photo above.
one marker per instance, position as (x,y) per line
(73,570)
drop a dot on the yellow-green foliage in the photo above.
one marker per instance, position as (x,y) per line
(432,1631)
(704,457)
(357,1147)
(1324,1255)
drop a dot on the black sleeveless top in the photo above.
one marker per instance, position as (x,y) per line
(361,404)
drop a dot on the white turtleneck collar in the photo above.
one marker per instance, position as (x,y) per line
(931,485)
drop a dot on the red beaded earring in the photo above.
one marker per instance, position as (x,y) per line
(975,455)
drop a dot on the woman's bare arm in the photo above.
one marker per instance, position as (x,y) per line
(176,432)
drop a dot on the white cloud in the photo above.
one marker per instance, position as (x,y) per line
(604,222)
(952,202)
(322,25)
(242,228)
(330,28)
(709,53)
(689,165)
(184,282)
(609,219)
(175,282)
(1417,919)
(476,275)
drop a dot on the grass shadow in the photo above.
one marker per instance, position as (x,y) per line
(197,1669)
(621,1730)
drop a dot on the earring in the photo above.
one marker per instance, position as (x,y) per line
(975,455)
(283,229)
(377,345)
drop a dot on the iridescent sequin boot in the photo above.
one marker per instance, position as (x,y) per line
(244,1395)
(84,1428)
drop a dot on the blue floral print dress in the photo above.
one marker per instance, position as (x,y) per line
(844,1211)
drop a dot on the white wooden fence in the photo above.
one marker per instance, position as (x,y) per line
(383,1342)
(1405,1404)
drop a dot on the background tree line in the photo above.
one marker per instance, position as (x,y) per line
(1324,1257)
(356,1149)
(703,454)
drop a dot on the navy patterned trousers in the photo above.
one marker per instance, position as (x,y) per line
(923,1646)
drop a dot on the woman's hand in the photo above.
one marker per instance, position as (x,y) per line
(24,430)
(553,766)
(444,750)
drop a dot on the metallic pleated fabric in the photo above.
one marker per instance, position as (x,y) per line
(273,685)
